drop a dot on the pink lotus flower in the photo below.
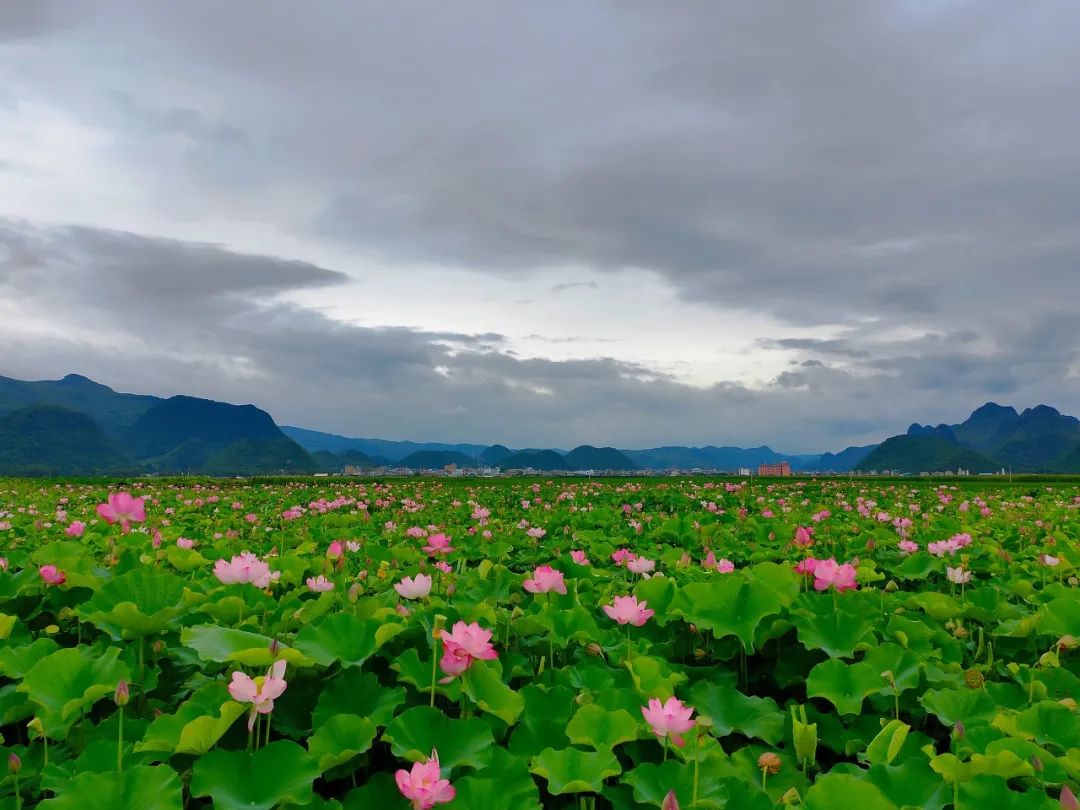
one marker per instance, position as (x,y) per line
(184,542)
(806,567)
(623,556)
(908,546)
(536,532)
(319,584)
(414,587)
(725,566)
(52,575)
(464,644)
(803,537)
(640,565)
(1049,560)
(123,509)
(438,544)
(3,564)
(75,529)
(424,785)
(671,801)
(828,573)
(671,718)
(335,550)
(709,563)
(545,579)
(444,566)
(627,610)
(957,575)
(580,557)
(245,567)
(259,692)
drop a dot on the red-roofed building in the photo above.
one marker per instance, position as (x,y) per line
(774,468)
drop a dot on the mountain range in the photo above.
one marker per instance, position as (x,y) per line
(75,426)
(1040,439)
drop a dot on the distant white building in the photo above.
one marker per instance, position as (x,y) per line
(743,471)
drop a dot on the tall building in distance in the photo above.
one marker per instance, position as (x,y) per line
(774,468)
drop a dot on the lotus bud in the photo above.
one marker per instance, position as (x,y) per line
(14,764)
(1067,799)
(891,586)
(769,762)
(158,647)
(958,730)
(440,623)
(594,649)
(35,726)
(671,802)
(1037,764)
(275,648)
(889,678)
(121,695)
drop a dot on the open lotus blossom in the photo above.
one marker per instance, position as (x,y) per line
(123,509)
(709,563)
(444,566)
(623,556)
(628,610)
(545,579)
(803,537)
(423,785)
(640,565)
(319,584)
(1049,560)
(464,644)
(908,546)
(245,567)
(185,542)
(3,564)
(75,529)
(725,566)
(806,567)
(52,575)
(414,587)
(259,692)
(670,719)
(580,557)
(829,574)
(536,532)
(438,544)
(957,575)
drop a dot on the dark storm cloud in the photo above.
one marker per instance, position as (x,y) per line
(903,172)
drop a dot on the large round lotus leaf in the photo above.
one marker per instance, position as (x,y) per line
(66,683)
(141,786)
(837,632)
(380,791)
(844,790)
(654,677)
(136,603)
(346,638)
(355,692)
(415,732)
(651,782)
(734,606)
(906,667)
(340,739)
(197,724)
(227,645)
(572,770)
(484,685)
(416,671)
(953,705)
(733,712)
(17,659)
(843,685)
(236,780)
(601,729)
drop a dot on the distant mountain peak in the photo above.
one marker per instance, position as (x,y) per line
(993,409)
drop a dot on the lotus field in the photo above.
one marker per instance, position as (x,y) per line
(510,644)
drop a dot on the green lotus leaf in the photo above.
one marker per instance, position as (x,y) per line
(483,684)
(911,783)
(354,692)
(340,739)
(185,560)
(953,705)
(843,685)
(601,729)
(226,645)
(346,638)
(885,747)
(844,790)
(994,792)
(838,632)
(733,606)
(654,677)
(417,672)
(281,772)
(905,666)
(1004,764)
(66,683)
(1049,722)
(415,732)
(733,712)
(197,724)
(17,659)
(379,791)
(572,770)
(137,603)
(141,786)
(651,782)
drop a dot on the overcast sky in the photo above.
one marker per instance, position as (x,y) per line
(614,222)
